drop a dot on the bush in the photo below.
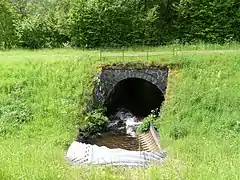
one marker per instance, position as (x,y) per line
(35,32)
(110,23)
(45,28)
(94,122)
(145,126)
(209,21)
(7,25)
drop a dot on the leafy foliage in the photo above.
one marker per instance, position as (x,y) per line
(15,110)
(7,25)
(94,122)
(209,21)
(45,28)
(110,23)
(35,32)
(144,127)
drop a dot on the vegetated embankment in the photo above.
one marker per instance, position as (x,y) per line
(42,101)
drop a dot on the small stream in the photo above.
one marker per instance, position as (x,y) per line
(121,132)
(120,135)
(113,141)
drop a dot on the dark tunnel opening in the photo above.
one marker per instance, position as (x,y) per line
(135,94)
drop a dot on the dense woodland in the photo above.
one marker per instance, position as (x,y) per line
(116,23)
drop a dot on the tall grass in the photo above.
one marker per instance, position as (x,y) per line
(41,97)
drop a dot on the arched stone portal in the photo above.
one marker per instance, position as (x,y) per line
(131,82)
(137,95)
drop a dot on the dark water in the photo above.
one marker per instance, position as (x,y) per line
(119,134)
(116,141)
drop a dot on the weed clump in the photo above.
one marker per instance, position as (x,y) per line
(178,131)
(147,122)
(94,122)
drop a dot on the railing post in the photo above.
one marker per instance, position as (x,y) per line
(100,54)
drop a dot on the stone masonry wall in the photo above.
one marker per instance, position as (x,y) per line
(110,77)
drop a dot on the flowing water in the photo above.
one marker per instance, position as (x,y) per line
(113,141)
(121,132)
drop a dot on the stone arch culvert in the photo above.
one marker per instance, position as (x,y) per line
(129,93)
(140,89)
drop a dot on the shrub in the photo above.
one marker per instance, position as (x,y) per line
(37,32)
(94,122)
(7,25)
(110,23)
(144,127)
(44,27)
(209,21)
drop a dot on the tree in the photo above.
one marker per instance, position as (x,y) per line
(43,24)
(8,18)
(208,21)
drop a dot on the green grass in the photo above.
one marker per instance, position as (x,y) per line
(42,93)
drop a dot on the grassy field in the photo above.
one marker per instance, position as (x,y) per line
(42,92)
